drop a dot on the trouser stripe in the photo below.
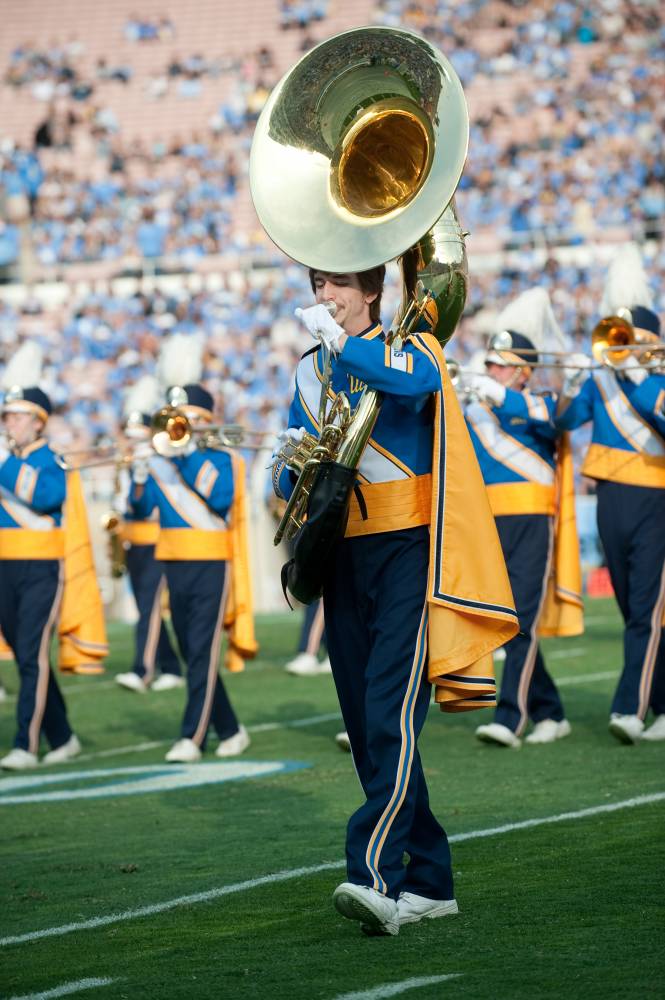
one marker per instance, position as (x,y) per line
(41,693)
(407,749)
(530,659)
(316,631)
(154,629)
(213,665)
(646,675)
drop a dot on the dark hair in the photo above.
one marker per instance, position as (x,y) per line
(371,283)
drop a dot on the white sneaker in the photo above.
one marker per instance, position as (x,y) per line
(307,665)
(18,760)
(656,730)
(548,730)
(371,908)
(71,748)
(184,752)
(626,728)
(499,654)
(234,745)
(411,908)
(324,666)
(132,682)
(343,742)
(167,682)
(494,732)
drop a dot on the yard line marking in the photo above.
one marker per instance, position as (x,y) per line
(261,727)
(393,989)
(285,876)
(583,678)
(602,620)
(66,989)
(564,654)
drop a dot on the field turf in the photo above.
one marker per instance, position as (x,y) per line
(573,907)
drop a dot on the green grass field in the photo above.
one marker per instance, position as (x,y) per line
(569,908)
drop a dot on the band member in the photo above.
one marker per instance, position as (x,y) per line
(32,548)
(193,490)
(381,620)
(626,457)
(519,453)
(152,646)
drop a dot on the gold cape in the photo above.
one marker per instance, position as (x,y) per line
(471,606)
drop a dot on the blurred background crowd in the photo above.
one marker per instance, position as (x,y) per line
(124,143)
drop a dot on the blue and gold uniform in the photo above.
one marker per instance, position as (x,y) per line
(626,458)
(515,441)
(193,494)
(32,548)
(382,593)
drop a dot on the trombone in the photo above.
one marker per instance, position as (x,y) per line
(613,341)
(171,427)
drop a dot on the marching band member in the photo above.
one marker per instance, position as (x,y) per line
(32,548)
(520,454)
(152,645)
(193,490)
(626,457)
(382,615)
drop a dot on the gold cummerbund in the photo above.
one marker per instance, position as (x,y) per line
(521,498)
(630,467)
(192,544)
(392,506)
(21,543)
(140,532)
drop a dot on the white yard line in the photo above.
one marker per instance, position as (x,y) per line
(286,876)
(66,989)
(586,678)
(565,654)
(394,989)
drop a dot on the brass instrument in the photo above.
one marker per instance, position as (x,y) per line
(172,426)
(613,340)
(115,457)
(355,160)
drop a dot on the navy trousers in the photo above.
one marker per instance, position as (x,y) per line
(376,622)
(313,632)
(527,690)
(30,592)
(631,524)
(152,646)
(197,591)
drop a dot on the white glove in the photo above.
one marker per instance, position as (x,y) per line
(4,450)
(486,389)
(165,447)
(633,370)
(321,326)
(576,375)
(140,471)
(293,436)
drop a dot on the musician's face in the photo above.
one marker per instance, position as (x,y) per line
(22,428)
(352,312)
(509,375)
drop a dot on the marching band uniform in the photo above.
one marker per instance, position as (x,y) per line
(32,548)
(152,645)
(626,457)
(515,441)
(380,605)
(193,493)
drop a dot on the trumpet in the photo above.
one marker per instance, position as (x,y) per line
(613,341)
(171,427)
